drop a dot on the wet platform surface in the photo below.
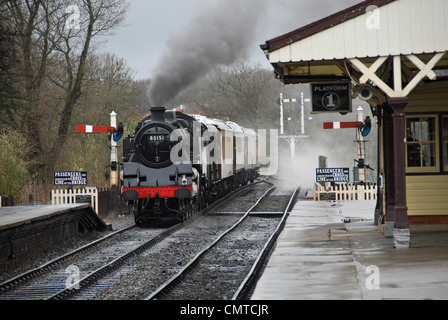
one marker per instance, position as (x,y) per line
(320,257)
(17,215)
(28,228)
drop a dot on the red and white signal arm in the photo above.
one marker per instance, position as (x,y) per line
(342,125)
(94,129)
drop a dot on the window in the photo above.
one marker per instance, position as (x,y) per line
(445,142)
(422,144)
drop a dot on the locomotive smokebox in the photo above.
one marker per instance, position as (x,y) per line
(158,114)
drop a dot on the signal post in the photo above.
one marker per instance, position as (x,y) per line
(116,132)
(113,153)
(293,138)
(113,167)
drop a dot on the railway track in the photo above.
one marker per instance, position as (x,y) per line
(11,284)
(203,276)
(246,288)
(56,280)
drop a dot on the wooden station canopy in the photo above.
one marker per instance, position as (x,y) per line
(368,42)
(398,49)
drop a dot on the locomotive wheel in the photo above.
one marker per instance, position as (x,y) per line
(203,199)
(138,205)
(189,209)
(185,209)
(181,208)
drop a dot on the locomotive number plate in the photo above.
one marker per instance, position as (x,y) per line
(157,137)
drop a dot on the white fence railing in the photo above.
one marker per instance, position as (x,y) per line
(68,196)
(346,192)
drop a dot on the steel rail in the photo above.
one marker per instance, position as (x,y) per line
(177,278)
(35,272)
(27,276)
(116,263)
(248,285)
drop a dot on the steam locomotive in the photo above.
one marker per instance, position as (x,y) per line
(175,164)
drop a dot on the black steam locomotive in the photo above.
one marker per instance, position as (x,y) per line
(176,164)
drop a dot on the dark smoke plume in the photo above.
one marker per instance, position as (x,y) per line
(218,35)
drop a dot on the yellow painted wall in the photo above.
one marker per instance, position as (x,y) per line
(429,97)
(427,195)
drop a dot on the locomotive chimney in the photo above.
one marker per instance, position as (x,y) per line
(158,114)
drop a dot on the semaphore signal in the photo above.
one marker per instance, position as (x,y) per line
(342,125)
(116,133)
(94,129)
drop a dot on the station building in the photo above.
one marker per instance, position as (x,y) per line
(395,54)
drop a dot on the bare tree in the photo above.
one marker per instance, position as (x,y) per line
(244,92)
(108,85)
(25,20)
(96,17)
(54,40)
(8,64)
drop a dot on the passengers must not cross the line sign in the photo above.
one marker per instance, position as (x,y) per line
(70,178)
(332,175)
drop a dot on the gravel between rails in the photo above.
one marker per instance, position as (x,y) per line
(144,273)
(157,265)
(221,271)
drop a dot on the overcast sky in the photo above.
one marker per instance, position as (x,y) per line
(151,23)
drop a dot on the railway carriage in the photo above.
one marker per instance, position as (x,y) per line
(175,164)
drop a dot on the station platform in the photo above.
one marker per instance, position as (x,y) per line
(28,228)
(319,257)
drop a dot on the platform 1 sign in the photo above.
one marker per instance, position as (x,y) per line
(331,97)
(332,175)
(70,178)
